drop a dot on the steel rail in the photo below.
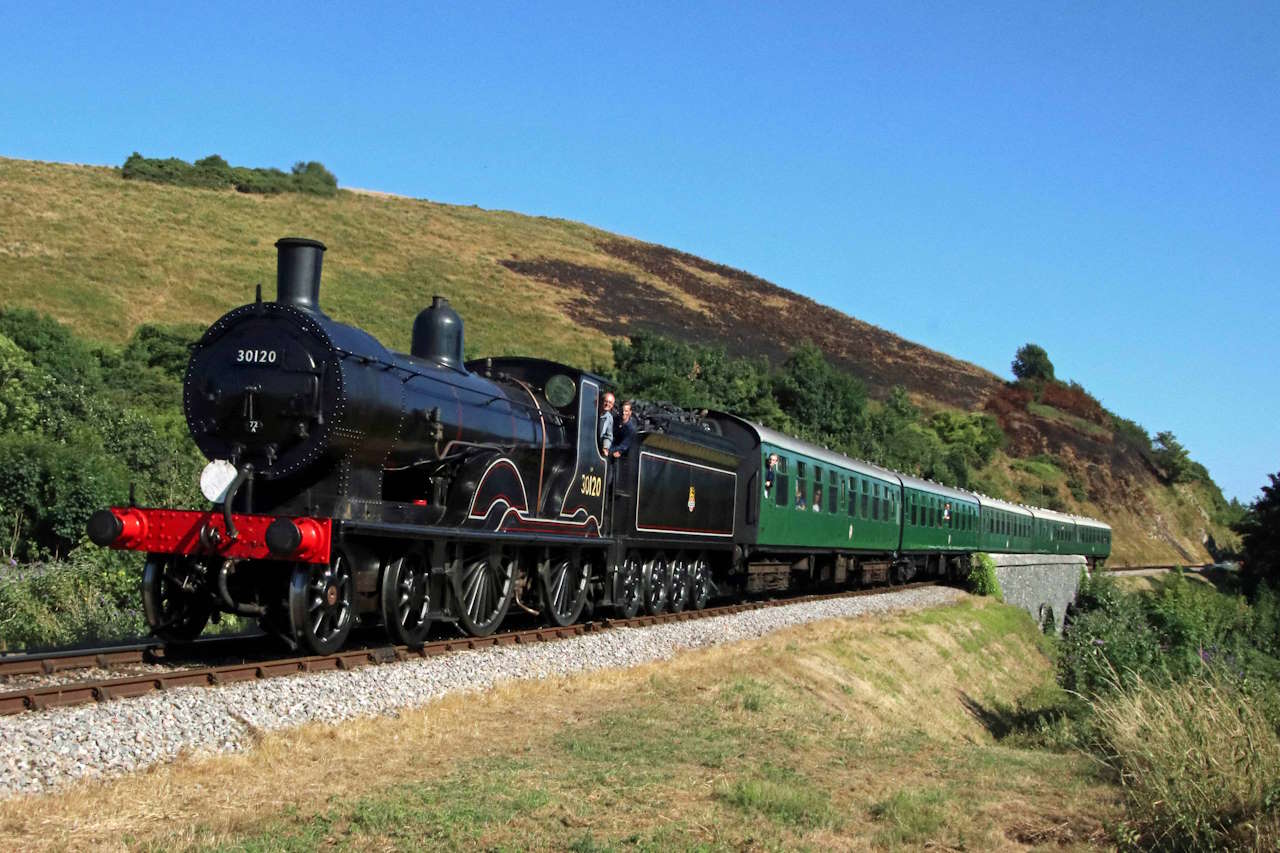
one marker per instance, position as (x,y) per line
(105,657)
(1165,568)
(80,693)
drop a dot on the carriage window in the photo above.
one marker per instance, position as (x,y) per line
(866,499)
(817,488)
(912,501)
(782,483)
(832,495)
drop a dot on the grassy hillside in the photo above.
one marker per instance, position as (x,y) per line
(104,255)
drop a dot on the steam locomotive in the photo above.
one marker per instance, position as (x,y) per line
(351,483)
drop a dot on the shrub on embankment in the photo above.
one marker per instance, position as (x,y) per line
(1175,691)
(982,578)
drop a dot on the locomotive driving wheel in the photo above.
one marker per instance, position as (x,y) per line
(564,589)
(678,594)
(656,578)
(486,584)
(628,586)
(406,599)
(175,605)
(320,611)
(699,583)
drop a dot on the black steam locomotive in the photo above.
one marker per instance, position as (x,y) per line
(349,482)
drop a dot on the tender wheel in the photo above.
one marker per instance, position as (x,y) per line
(700,584)
(656,579)
(564,590)
(320,605)
(484,590)
(678,593)
(174,601)
(628,586)
(406,599)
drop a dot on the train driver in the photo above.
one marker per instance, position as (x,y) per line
(604,432)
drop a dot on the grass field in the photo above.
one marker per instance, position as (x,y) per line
(841,735)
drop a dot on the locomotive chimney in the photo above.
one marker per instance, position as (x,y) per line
(437,334)
(298,272)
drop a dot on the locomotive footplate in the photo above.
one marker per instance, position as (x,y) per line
(413,531)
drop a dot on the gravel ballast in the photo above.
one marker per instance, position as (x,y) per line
(40,751)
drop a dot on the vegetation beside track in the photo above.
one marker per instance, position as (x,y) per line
(875,731)
(1174,685)
(948,727)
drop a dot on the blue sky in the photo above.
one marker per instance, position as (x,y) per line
(1103,180)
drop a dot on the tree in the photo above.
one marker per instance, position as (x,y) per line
(826,404)
(1170,455)
(1260,534)
(1032,362)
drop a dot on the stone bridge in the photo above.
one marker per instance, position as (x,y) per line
(1040,583)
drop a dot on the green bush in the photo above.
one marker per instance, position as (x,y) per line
(50,346)
(92,596)
(20,386)
(1180,630)
(982,578)
(213,172)
(48,490)
(77,425)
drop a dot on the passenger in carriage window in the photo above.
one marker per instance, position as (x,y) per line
(770,467)
(800,495)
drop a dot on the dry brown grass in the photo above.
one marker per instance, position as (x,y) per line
(1200,766)
(819,736)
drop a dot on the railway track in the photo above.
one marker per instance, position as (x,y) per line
(125,654)
(35,698)
(1120,570)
